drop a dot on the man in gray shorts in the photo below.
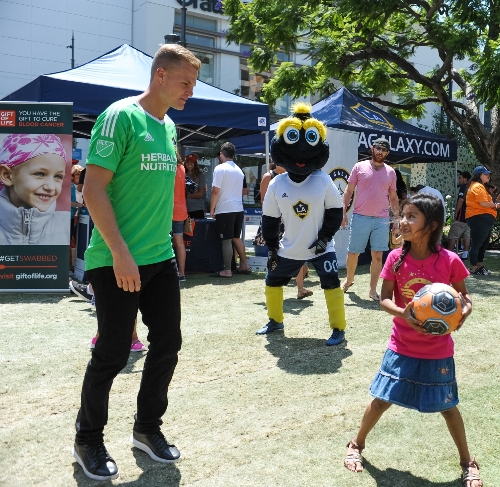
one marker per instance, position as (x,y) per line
(375,184)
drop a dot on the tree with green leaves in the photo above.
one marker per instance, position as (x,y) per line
(368,45)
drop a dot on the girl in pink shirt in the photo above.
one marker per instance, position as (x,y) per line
(418,370)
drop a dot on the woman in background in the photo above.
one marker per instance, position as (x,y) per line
(196,200)
(480,214)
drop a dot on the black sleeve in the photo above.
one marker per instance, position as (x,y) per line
(331,223)
(271,231)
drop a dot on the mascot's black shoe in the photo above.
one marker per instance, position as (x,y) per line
(270,327)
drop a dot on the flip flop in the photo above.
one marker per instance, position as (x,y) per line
(245,272)
(218,274)
(374,296)
(346,286)
(304,293)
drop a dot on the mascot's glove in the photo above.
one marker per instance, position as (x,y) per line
(319,245)
(272,260)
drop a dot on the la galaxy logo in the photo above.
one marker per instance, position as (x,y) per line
(372,116)
(301,209)
(339,178)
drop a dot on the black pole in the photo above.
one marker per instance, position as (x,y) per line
(72,47)
(183,26)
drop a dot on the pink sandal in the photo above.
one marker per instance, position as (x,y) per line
(354,458)
(470,474)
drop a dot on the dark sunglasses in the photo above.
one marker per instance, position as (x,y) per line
(380,148)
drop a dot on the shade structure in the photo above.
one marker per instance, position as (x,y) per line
(210,114)
(344,110)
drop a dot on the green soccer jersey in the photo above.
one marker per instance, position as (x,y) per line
(141,152)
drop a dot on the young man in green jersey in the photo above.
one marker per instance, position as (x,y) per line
(129,191)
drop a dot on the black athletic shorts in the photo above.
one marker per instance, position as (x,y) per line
(228,225)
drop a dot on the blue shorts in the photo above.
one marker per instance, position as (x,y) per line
(177,227)
(364,228)
(325,265)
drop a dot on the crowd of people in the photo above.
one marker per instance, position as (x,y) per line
(134,265)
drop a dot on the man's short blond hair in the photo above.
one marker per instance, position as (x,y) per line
(170,56)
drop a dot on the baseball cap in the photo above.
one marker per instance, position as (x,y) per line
(191,158)
(383,142)
(481,170)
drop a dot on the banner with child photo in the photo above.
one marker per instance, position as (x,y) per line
(36,144)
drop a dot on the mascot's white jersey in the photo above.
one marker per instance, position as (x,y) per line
(302,207)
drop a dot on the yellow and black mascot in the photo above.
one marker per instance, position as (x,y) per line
(311,208)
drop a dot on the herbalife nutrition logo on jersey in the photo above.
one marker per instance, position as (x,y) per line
(157,161)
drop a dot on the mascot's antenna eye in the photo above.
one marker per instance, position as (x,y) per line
(312,135)
(291,135)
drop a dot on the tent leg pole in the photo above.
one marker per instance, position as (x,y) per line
(266,136)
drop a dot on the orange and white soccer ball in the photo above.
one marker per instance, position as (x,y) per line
(439,308)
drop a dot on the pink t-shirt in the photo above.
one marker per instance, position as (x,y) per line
(372,189)
(445,267)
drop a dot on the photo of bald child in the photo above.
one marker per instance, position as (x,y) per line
(32,171)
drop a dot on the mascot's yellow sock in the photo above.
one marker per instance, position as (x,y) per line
(335,305)
(274,303)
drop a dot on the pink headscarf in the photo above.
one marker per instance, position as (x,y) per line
(19,148)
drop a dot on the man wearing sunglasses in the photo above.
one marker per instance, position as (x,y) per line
(375,184)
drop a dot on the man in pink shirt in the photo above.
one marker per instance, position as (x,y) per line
(375,184)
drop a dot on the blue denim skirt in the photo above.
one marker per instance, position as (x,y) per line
(429,386)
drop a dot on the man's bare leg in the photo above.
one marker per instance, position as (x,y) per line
(240,248)
(351,264)
(375,270)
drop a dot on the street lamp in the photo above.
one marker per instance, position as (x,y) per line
(172,39)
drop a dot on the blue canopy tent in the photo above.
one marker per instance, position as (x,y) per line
(210,114)
(344,110)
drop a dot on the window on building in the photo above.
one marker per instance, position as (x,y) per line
(206,72)
(196,22)
(200,40)
(487,120)
(251,88)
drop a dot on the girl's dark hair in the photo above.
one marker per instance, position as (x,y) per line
(433,211)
